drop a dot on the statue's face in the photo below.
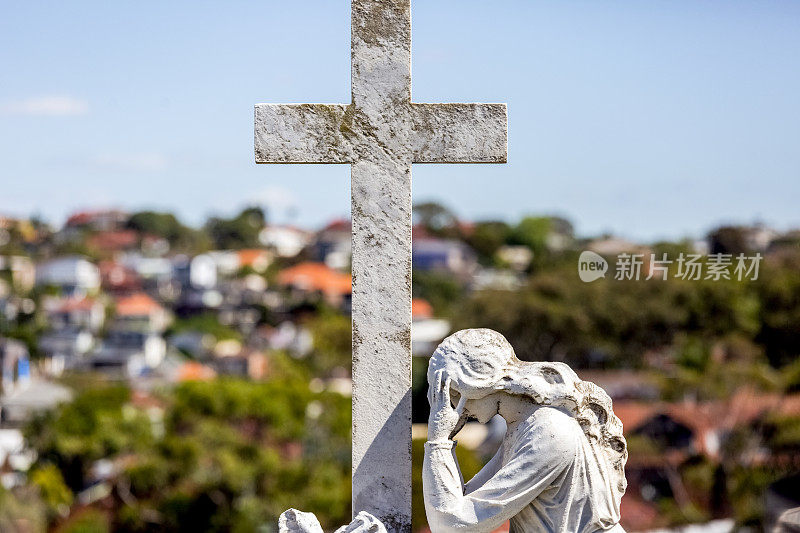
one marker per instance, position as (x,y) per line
(482,409)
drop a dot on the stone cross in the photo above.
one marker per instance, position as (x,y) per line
(380,134)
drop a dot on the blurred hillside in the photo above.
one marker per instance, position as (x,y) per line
(161,377)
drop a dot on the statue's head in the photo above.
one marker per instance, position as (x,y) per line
(481,364)
(483,369)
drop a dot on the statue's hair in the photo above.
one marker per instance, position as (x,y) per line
(479,362)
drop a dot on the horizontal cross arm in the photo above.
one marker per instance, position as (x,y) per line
(459,133)
(302,133)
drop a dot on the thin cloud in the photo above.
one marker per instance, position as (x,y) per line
(146,162)
(277,198)
(53,106)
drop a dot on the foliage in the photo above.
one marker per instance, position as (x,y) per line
(487,238)
(21,510)
(532,232)
(609,322)
(728,240)
(230,455)
(87,521)
(240,231)
(168,227)
(779,313)
(205,323)
(52,489)
(443,291)
(332,343)
(436,219)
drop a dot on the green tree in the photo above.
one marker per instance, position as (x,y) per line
(440,289)
(168,227)
(436,219)
(226,455)
(539,234)
(332,343)
(238,232)
(487,237)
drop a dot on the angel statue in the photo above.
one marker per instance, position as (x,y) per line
(560,467)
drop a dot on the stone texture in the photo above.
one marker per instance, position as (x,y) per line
(381,133)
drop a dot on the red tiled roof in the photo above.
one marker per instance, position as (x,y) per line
(421,308)
(71,305)
(341,224)
(114,240)
(85,217)
(316,277)
(634,414)
(194,371)
(250,256)
(138,304)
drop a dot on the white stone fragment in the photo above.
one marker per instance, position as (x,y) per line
(294,521)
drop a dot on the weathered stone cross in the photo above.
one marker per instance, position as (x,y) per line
(381,133)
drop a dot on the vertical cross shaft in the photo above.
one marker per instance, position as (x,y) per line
(381,133)
(381,212)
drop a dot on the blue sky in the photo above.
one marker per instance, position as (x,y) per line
(647,119)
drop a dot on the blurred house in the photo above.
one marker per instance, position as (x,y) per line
(333,245)
(287,336)
(245,363)
(741,239)
(787,244)
(14,365)
(426,331)
(72,274)
(285,241)
(759,237)
(198,272)
(517,257)
(18,405)
(317,281)
(255,259)
(226,261)
(497,279)
(444,255)
(11,306)
(664,436)
(196,344)
(117,278)
(74,312)
(128,354)
(240,317)
(140,312)
(111,242)
(193,371)
(154,269)
(15,458)
(607,246)
(19,272)
(561,235)
(63,349)
(98,220)
(421,309)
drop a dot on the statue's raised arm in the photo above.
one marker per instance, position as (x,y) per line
(561,465)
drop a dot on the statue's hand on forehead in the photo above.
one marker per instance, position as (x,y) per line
(445,420)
